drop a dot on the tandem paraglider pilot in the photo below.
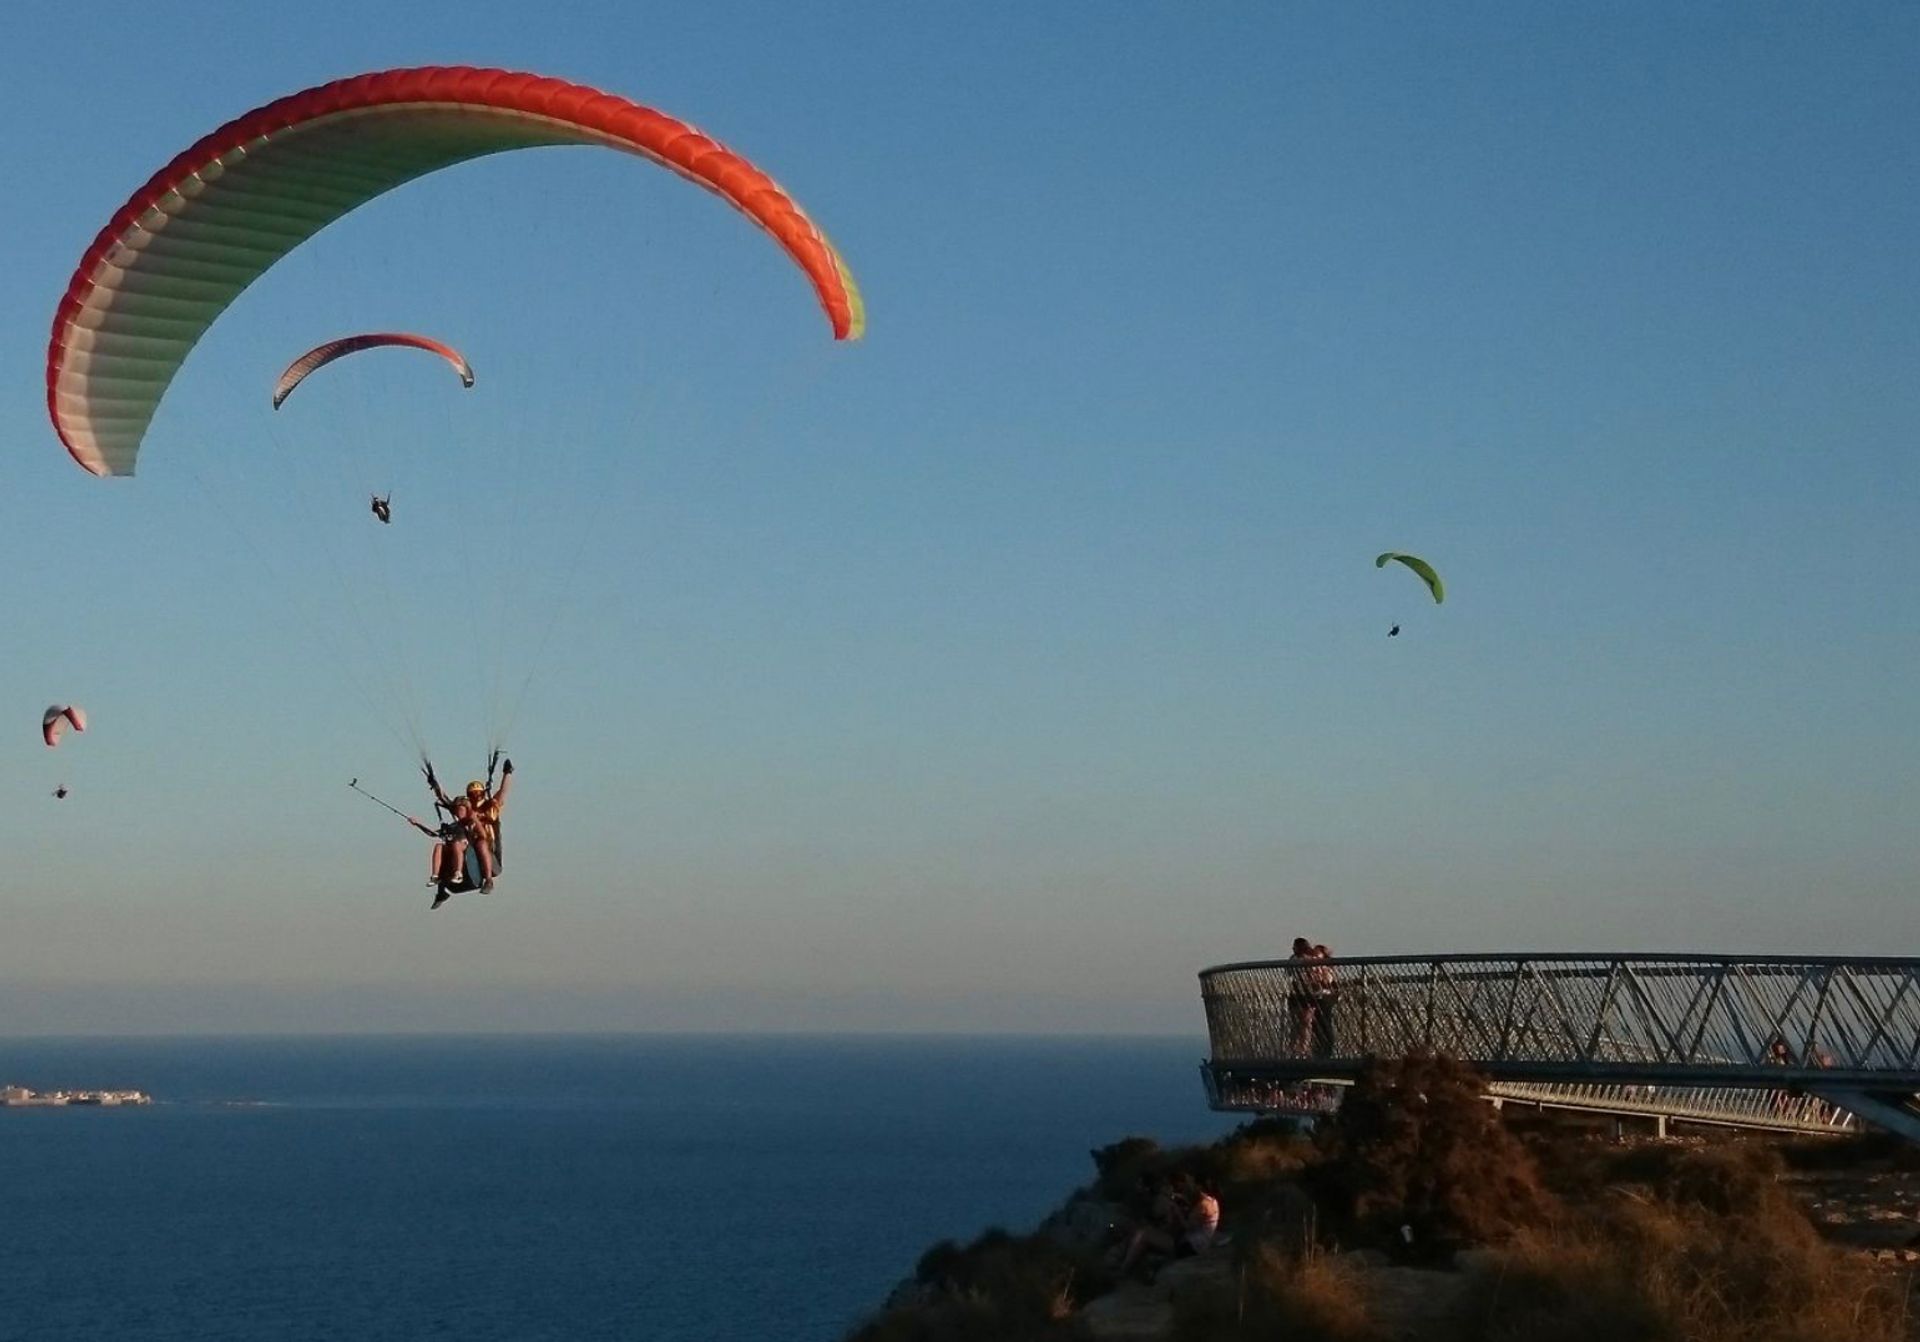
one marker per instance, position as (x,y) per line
(467,854)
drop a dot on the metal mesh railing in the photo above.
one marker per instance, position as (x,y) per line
(1696,1021)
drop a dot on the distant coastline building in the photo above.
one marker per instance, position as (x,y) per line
(21,1097)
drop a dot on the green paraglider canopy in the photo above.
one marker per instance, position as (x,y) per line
(1421,567)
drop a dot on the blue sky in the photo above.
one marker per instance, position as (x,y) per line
(1005,669)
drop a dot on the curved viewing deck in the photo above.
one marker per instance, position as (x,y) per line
(1788,1042)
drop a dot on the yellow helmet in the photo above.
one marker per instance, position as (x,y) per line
(476,787)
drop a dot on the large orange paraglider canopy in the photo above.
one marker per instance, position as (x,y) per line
(217,217)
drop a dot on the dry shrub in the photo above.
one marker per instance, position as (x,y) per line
(963,1321)
(1860,1150)
(1571,1288)
(1120,1165)
(1417,1145)
(1129,1167)
(1029,1274)
(1315,1298)
(1274,1217)
(1000,1286)
(1732,1179)
(1261,1151)
(1676,1269)
(1650,1243)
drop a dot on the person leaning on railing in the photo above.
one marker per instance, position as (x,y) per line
(1300,1001)
(1324,988)
(1780,1055)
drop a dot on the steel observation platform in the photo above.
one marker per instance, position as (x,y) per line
(1787,1043)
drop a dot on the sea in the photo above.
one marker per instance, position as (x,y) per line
(630,1186)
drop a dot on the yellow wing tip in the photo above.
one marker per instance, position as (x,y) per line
(856,305)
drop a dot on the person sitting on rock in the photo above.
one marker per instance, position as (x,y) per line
(1203,1222)
(1185,1222)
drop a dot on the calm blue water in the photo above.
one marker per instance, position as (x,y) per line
(577,1187)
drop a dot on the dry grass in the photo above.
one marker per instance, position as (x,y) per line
(1569,1287)
(1260,1152)
(1315,1298)
(1001,1286)
(1864,1150)
(1736,1179)
(964,1321)
(1713,1257)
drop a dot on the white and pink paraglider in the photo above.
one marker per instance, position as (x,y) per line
(60,717)
(54,724)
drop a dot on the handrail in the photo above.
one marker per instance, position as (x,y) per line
(1574,957)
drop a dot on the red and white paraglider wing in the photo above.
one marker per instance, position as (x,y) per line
(215,219)
(58,718)
(322,355)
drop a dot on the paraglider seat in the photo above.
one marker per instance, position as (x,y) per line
(470,877)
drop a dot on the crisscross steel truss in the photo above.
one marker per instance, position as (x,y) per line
(1721,1106)
(1725,1021)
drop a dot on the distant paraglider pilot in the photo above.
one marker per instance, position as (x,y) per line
(54,724)
(1421,569)
(383,508)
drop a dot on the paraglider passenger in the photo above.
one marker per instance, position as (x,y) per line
(450,853)
(1184,1222)
(383,508)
